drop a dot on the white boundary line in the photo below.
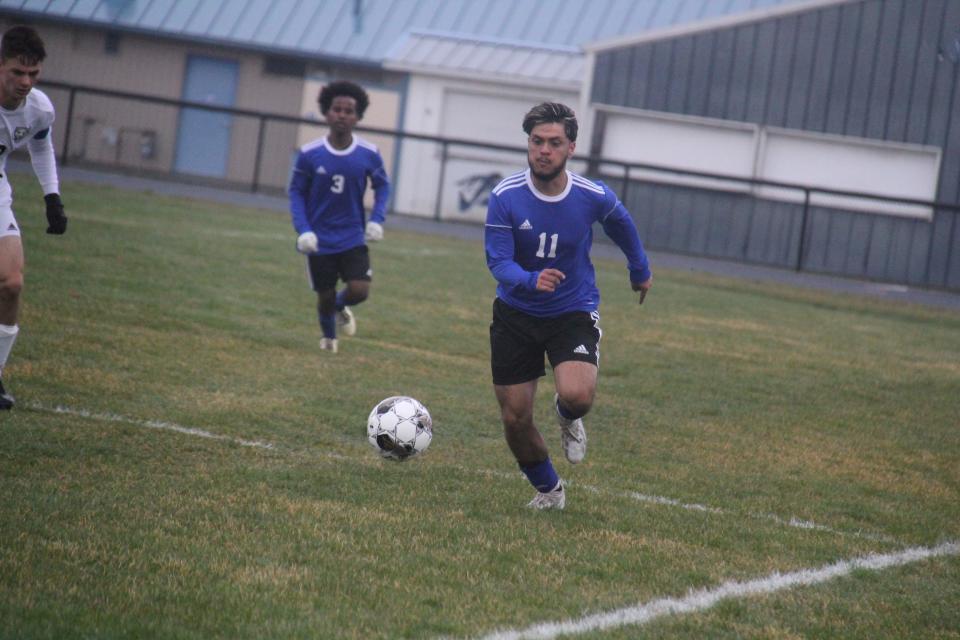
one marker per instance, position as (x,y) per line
(633,495)
(150,424)
(703,599)
(670,502)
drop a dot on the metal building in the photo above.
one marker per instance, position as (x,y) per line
(274,55)
(847,95)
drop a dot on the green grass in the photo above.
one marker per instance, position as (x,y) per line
(761,402)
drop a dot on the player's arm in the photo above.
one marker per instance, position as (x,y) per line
(298,190)
(44,161)
(500,248)
(618,225)
(381,194)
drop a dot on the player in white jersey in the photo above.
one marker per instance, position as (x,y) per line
(26,116)
(537,238)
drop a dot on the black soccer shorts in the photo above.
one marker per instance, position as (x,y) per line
(518,342)
(352,264)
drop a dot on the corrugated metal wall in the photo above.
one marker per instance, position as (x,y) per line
(881,69)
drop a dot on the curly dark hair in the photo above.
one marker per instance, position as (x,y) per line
(547,112)
(22,43)
(343,88)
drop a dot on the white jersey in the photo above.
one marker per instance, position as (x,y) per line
(29,124)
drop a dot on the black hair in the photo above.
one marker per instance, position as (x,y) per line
(343,88)
(547,112)
(22,43)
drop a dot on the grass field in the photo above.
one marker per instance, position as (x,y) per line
(184,463)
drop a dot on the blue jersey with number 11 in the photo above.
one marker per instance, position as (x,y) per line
(527,232)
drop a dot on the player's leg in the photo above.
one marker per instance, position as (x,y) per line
(527,444)
(356,273)
(327,312)
(516,359)
(322,270)
(353,293)
(576,387)
(516,412)
(11,283)
(574,353)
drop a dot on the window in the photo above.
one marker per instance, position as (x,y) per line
(111,43)
(840,163)
(285,67)
(850,164)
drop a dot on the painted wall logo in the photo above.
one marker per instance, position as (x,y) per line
(951,50)
(474,191)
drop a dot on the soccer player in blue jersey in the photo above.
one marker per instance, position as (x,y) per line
(538,235)
(26,118)
(326,203)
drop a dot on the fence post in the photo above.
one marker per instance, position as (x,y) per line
(66,133)
(256,162)
(626,185)
(803,229)
(443,176)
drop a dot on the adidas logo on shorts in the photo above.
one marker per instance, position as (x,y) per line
(581,350)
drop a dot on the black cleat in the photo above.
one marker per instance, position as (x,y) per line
(6,400)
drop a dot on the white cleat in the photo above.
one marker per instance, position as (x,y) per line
(554,499)
(328,344)
(573,436)
(346,322)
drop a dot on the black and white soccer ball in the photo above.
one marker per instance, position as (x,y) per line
(399,428)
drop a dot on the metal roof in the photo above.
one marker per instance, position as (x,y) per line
(365,31)
(504,61)
(712,23)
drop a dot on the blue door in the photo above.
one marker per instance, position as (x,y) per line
(203,138)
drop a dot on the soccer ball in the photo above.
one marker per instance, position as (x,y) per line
(399,428)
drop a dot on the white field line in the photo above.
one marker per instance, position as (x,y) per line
(703,599)
(632,495)
(150,424)
(670,502)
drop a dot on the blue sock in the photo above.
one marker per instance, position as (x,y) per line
(541,475)
(341,295)
(564,413)
(329,325)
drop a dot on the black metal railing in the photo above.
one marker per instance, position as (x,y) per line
(785,224)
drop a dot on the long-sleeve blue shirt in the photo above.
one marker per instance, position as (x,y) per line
(326,192)
(527,232)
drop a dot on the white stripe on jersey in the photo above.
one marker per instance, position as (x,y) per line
(499,226)
(366,144)
(607,214)
(312,145)
(511,182)
(580,181)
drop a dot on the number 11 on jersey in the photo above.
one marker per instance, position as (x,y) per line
(543,244)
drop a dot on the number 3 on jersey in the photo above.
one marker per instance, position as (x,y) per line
(337,186)
(543,245)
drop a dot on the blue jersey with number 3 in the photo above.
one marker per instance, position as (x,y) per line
(527,232)
(326,192)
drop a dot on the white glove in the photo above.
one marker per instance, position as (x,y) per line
(374,232)
(307,242)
